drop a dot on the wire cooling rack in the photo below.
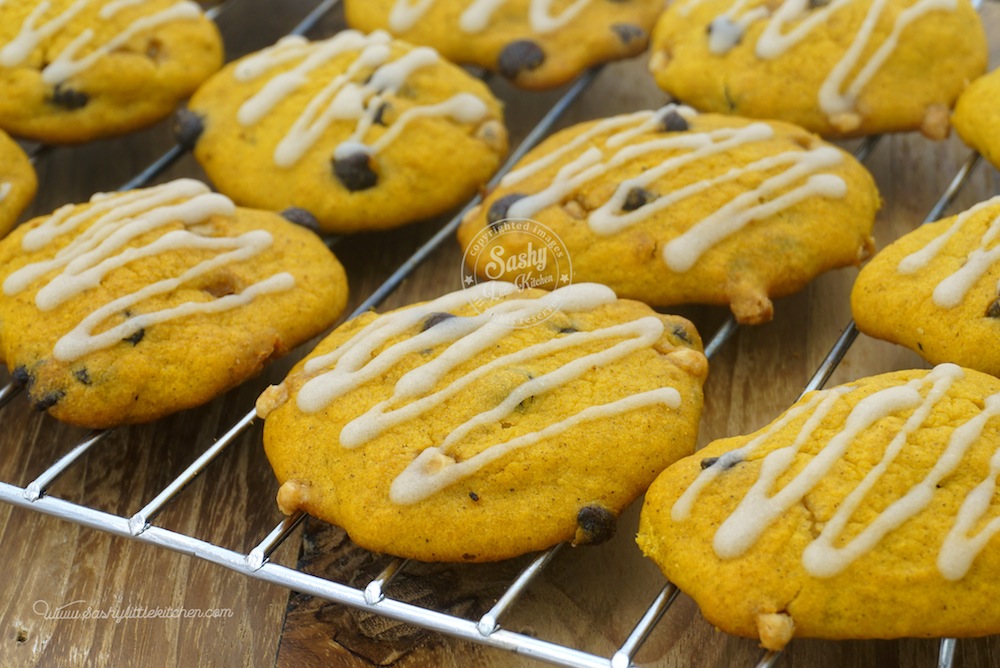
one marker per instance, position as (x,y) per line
(376,596)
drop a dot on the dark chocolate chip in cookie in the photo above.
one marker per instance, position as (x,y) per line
(49,400)
(681,333)
(379,118)
(69,98)
(519,56)
(21,377)
(994,309)
(300,216)
(136,337)
(187,127)
(82,375)
(434,319)
(636,198)
(595,524)
(628,33)
(498,210)
(673,122)
(355,171)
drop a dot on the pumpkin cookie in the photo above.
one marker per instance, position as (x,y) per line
(143,303)
(17,182)
(672,207)
(977,116)
(358,129)
(76,70)
(935,290)
(528,41)
(486,423)
(864,511)
(840,68)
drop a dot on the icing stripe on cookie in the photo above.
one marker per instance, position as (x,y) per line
(795,20)
(478,16)
(114,223)
(355,362)
(951,290)
(799,176)
(64,64)
(5,189)
(828,554)
(343,98)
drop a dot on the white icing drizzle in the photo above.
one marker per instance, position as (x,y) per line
(793,21)
(355,362)
(759,507)
(343,98)
(5,189)
(114,223)
(801,167)
(951,291)
(64,64)
(479,14)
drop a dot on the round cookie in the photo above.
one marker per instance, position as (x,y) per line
(139,304)
(672,207)
(17,182)
(841,68)
(362,131)
(864,511)
(935,290)
(977,116)
(486,423)
(527,41)
(74,70)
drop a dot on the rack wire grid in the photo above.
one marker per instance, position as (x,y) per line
(376,596)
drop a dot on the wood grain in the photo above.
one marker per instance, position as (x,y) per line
(589,598)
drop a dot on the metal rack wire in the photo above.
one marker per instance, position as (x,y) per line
(373,597)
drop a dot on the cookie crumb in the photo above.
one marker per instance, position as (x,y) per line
(775,630)
(292,495)
(271,398)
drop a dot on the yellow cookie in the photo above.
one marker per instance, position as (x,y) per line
(977,116)
(841,68)
(362,131)
(17,182)
(76,70)
(533,43)
(935,290)
(864,511)
(671,207)
(486,423)
(139,304)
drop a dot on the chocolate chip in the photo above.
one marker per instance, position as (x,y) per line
(637,197)
(49,400)
(568,330)
(468,557)
(628,33)
(69,98)
(136,337)
(498,210)
(187,127)
(299,216)
(82,375)
(725,462)
(379,118)
(994,310)
(473,496)
(681,333)
(519,56)
(434,319)
(816,4)
(355,171)
(21,377)
(673,122)
(595,525)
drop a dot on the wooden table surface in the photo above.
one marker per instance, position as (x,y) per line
(589,598)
